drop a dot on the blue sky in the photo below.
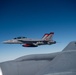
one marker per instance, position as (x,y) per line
(33,18)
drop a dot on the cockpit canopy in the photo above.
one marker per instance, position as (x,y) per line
(20,37)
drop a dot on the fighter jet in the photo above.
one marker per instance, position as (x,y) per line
(27,42)
(59,63)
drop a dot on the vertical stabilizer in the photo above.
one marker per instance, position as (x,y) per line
(50,36)
(45,36)
(70,46)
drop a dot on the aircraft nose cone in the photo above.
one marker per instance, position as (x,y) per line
(6,42)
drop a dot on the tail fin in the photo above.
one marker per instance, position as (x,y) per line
(45,36)
(50,36)
(71,46)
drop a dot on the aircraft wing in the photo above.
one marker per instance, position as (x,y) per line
(28,41)
(62,63)
(35,43)
(31,41)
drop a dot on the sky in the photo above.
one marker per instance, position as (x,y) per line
(32,19)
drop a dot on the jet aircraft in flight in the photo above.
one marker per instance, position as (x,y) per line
(27,42)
